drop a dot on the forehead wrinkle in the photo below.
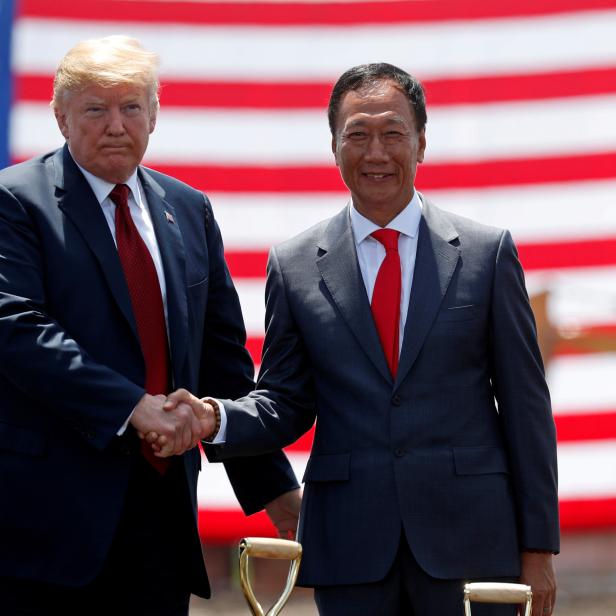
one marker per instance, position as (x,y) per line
(116,91)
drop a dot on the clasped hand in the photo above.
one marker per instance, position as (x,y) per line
(173,424)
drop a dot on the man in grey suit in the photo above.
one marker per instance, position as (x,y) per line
(434,457)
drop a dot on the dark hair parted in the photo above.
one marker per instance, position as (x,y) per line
(366,75)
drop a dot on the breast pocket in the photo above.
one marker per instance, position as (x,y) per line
(197,295)
(195,287)
(457,313)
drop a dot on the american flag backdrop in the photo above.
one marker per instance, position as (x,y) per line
(521,134)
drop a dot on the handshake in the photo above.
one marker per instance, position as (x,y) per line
(175,423)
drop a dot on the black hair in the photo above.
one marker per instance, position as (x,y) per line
(366,75)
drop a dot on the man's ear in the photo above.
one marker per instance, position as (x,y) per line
(421,150)
(61,120)
(335,149)
(153,116)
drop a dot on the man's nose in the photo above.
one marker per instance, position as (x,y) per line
(376,150)
(115,125)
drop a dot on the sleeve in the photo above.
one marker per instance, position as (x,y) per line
(37,356)
(226,372)
(523,403)
(283,406)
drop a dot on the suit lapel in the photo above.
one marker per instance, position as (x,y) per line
(342,277)
(435,264)
(80,205)
(173,255)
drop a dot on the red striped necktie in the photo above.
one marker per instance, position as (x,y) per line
(147,302)
(386,297)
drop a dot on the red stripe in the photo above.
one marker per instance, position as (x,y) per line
(556,255)
(572,427)
(587,340)
(458,175)
(254,344)
(483,174)
(586,426)
(303,444)
(516,87)
(549,255)
(301,95)
(302,13)
(230,525)
(246,263)
(588,514)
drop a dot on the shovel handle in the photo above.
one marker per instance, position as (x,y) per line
(279,549)
(497,592)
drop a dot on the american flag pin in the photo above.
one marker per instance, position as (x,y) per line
(169,217)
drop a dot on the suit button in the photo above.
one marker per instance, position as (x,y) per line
(396,400)
(399,453)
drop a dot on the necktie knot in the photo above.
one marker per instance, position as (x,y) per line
(387,237)
(119,195)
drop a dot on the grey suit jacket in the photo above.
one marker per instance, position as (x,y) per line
(458,453)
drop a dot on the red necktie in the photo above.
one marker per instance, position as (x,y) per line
(386,297)
(147,302)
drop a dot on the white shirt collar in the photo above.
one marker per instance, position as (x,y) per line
(102,188)
(407,221)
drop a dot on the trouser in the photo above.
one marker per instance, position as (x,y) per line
(152,565)
(407,590)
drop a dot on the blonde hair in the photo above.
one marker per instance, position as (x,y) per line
(107,62)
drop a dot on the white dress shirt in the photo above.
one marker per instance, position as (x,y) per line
(137,204)
(140,214)
(370,252)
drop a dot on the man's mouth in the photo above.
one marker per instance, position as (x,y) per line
(377,176)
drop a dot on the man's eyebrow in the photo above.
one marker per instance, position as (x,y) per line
(353,123)
(362,121)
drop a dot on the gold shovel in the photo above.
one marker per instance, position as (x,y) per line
(280,549)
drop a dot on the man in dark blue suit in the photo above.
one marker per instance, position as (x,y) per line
(113,292)
(406,332)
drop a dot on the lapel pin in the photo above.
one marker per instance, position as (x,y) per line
(169,217)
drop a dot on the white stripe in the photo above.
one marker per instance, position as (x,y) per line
(324,52)
(538,128)
(532,213)
(503,130)
(579,383)
(540,212)
(586,470)
(214,490)
(578,297)
(252,300)
(257,221)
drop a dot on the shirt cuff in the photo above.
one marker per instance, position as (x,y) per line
(124,426)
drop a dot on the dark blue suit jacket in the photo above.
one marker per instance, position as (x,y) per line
(71,368)
(458,453)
